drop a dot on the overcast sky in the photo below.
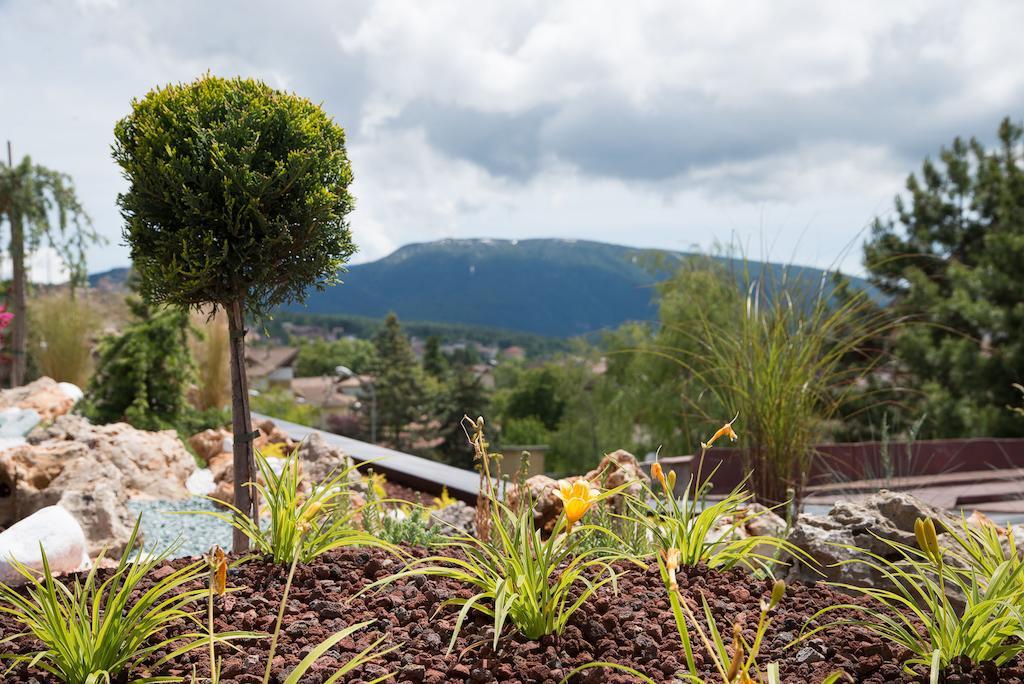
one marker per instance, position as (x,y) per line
(786,126)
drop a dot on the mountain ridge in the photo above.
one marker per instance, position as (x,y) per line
(550,286)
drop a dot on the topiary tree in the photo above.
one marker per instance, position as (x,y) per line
(238,197)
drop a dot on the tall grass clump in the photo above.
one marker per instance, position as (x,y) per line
(61,333)
(210,348)
(787,362)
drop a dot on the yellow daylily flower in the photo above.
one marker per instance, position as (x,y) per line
(672,557)
(218,570)
(657,473)
(577,498)
(724,431)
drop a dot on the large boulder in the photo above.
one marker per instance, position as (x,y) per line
(45,396)
(53,529)
(155,465)
(92,471)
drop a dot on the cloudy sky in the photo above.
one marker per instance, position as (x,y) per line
(785,126)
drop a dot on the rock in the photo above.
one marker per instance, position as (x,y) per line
(864,524)
(618,468)
(457,516)
(541,490)
(17,422)
(319,459)
(103,514)
(209,443)
(615,469)
(45,396)
(61,538)
(155,465)
(201,482)
(92,470)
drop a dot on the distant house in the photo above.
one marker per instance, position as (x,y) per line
(332,396)
(484,373)
(270,367)
(513,353)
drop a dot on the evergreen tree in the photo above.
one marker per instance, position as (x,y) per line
(397,381)
(953,258)
(143,373)
(434,362)
(463,395)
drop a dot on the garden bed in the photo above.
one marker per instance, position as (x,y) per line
(634,627)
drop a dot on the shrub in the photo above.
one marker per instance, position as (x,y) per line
(94,631)
(143,372)
(61,333)
(524,431)
(301,527)
(281,404)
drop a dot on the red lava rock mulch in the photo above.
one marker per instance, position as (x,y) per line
(634,627)
(403,493)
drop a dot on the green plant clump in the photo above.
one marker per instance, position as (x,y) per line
(518,576)
(988,626)
(301,526)
(98,631)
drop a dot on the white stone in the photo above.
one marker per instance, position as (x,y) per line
(17,422)
(59,534)
(201,482)
(72,391)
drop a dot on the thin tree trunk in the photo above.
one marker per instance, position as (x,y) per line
(246,499)
(19,325)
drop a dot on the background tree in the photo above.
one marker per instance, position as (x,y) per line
(41,208)
(463,395)
(238,197)
(953,257)
(320,357)
(397,381)
(434,362)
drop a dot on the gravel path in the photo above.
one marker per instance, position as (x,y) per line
(163,526)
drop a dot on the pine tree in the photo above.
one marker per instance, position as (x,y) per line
(434,362)
(953,258)
(397,381)
(463,395)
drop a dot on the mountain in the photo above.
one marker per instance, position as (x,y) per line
(552,287)
(115,278)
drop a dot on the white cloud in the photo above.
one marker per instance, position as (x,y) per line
(655,123)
